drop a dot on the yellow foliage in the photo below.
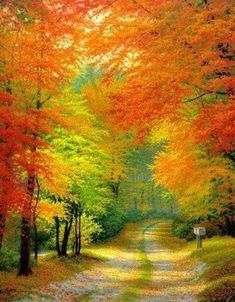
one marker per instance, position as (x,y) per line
(185,169)
(48,210)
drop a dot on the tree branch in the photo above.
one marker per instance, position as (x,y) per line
(197,97)
(143,7)
(205,93)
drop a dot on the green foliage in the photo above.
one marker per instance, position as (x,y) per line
(183,228)
(9,252)
(134,215)
(111,222)
(90,228)
(8,259)
(88,76)
(44,236)
(200,2)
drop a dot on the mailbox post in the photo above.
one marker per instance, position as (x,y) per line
(199,231)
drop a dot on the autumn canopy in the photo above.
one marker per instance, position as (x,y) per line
(114,108)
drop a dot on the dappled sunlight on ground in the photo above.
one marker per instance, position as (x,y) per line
(107,279)
(172,280)
(136,266)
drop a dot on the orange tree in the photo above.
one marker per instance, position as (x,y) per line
(167,51)
(39,49)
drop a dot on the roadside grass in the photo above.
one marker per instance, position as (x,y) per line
(50,269)
(219,255)
(85,297)
(217,276)
(146,267)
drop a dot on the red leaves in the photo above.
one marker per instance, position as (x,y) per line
(215,126)
(6,98)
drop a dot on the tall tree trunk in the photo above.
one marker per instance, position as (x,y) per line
(36,244)
(78,230)
(57,230)
(24,267)
(79,233)
(67,229)
(75,248)
(35,241)
(65,240)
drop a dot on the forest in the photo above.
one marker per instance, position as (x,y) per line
(115,115)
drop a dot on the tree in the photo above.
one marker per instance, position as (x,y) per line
(172,51)
(40,46)
(11,189)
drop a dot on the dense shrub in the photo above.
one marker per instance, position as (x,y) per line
(183,229)
(44,236)
(159,214)
(134,215)
(8,259)
(50,244)
(212,228)
(111,223)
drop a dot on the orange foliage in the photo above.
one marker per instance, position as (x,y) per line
(215,126)
(166,50)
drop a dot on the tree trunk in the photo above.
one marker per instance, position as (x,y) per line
(67,229)
(57,229)
(65,240)
(115,189)
(36,244)
(24,267)
(75,248)
(229,216)
(78,230)
(230,225)
(35,241)
(79,233)
(233,227)
(25,248)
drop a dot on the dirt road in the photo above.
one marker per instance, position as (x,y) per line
(137,268)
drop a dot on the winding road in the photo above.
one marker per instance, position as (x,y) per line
(138,268)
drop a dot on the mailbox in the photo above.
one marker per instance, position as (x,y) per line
(200,231)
